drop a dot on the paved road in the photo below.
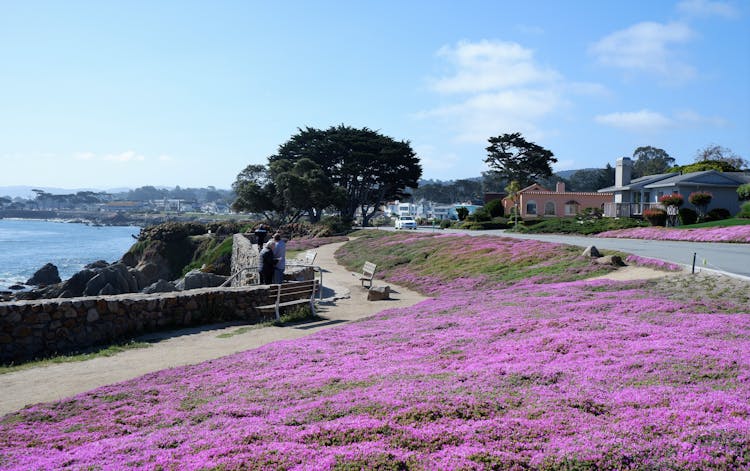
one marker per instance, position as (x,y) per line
(732,259)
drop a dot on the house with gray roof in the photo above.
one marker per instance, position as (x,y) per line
(631,197)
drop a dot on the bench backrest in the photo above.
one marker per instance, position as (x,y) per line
(368,270)
(294,290)
(310,257)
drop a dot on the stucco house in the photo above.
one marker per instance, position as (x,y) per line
(632,196)
(535,200)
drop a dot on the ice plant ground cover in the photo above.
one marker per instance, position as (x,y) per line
(533,374)
(312,243)
(737,234)
(652,263)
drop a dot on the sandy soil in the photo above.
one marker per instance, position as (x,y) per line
(344,301)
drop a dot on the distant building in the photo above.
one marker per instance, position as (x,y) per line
(535,200)
(632,196)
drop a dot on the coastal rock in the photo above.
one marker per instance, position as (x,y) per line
(161,286)
(591,252)
(107,290)
(614,260)
(197,279)
(47,275)
(16,287)
(97,265)
(76,284)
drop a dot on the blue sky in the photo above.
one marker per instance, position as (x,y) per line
(125,94)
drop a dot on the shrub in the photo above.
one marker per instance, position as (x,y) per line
(717,214)
(674,199)
(743,191)
(744,211)
(481,214)
(688,216)
(657,217)
(445,224)
(700,198)
(462,213)
(495,208)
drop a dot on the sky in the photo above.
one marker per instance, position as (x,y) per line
(117,94)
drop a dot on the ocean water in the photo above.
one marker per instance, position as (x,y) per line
(26,245)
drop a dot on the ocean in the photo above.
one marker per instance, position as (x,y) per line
(27,244)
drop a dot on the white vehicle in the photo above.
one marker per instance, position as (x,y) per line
(406,222)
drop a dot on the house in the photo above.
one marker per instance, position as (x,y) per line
(535,200)
(631,197)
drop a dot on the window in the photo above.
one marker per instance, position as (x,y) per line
(571,208)
(549,208)
(531,207)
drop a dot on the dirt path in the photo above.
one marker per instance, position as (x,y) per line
(344,300)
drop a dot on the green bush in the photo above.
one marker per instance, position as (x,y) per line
(657,217)
(495,208)
(744,211)
(481,214)
(743,191)
(575,226)
(496,223)
(462,213)
(445,224)
(688,216)
(717,214)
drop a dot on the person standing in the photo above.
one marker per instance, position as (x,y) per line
(266,263)
(279,253)
(261,232)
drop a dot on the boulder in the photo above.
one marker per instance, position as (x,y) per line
(197,279)
(47,275)
(614,260)
(76,284)
(107,290)
(379,293)
(96,265)
(16,287)
(161,286)
(591,251)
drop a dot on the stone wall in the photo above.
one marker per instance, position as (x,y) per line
(32,329)
(244,256)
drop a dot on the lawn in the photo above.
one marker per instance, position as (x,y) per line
(496,371)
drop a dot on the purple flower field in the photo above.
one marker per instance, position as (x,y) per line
(652,263)
(739,234)
(571,375)
(313,242)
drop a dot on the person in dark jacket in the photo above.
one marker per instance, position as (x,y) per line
(261,232)
(266,263)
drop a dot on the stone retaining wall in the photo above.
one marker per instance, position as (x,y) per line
(244,255)
(32,329)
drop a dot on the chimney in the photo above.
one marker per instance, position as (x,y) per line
(560,188)
(622,171)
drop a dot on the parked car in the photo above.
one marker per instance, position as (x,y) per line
(406,222)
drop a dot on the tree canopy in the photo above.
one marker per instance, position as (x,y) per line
(648,160)
(341,167)
(592,179)
(516,159)
(716,153)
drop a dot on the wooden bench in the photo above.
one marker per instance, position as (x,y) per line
(290,294)
(368,273)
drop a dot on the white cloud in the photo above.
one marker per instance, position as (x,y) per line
(501,88)
(707,8)
(643,120)
(489,65)
(647,47)
(127,156)
(433,161)
(650,121)
(84,156)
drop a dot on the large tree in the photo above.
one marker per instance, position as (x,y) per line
(650,161)
(516,159)
(716,153)
(365,167)
(284,190)
(592,179)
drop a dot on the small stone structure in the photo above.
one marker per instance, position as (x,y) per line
(31,329)
(379,293)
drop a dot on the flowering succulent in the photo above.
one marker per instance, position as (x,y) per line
(533,374)
(739,234)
